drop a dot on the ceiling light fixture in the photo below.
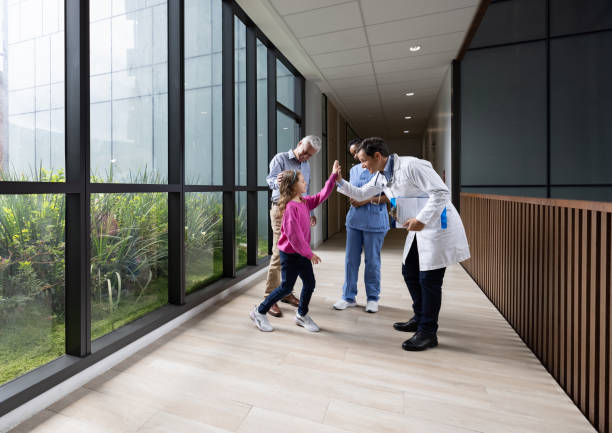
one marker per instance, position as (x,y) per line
(407,117)
(410,94)
(415,48)
(406,132)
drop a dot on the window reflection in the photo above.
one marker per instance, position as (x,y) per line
(129,95)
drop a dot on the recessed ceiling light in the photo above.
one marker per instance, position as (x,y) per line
(415,48)
(285,128)
(407,117)
(410,94)
(203,112)
(406,132)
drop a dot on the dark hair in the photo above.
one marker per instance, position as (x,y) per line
(354,141)
(372,145)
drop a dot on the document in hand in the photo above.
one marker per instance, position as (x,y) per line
(407,208)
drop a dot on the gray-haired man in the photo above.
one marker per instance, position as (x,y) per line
(295,159)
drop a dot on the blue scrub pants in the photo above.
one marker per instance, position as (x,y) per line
(370,243)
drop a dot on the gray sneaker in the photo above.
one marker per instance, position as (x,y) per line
(306,322)
(261,321)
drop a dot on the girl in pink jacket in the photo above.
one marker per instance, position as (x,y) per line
(294,244)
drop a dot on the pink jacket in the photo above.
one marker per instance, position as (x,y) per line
(295,228)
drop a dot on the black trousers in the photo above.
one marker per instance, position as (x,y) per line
(425,289)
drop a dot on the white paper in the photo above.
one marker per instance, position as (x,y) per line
(409,207)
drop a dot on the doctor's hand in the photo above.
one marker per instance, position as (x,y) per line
(356,203)
(414,225)
(279,177)
(315,259)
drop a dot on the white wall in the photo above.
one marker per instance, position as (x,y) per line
(436,146)
(315,127)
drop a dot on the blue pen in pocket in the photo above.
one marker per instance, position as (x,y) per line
(443,221)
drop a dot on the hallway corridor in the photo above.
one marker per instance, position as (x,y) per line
(217,373)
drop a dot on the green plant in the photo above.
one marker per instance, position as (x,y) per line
(129,244)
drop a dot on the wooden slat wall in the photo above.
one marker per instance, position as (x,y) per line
(546,265)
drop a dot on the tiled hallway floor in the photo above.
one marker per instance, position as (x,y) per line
(218,373)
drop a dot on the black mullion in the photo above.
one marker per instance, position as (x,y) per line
(456,134)
(229,205)
(107,188)
(176,153)
(77,291)
(271,125)
(40,187)
(251,132)
(301,102)
(288,111)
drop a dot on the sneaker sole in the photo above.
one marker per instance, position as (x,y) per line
(298,323)
(254,319)
(348,306)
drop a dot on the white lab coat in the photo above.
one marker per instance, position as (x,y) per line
(413,177)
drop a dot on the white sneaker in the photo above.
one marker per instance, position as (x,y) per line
(371,307)
(306,322)
(342,304)
(261,321)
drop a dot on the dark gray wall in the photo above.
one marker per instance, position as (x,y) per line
(536,101)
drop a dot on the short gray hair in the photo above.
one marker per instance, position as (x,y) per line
(313,140)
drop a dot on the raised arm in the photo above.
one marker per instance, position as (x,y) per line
(312,201)
(375,186)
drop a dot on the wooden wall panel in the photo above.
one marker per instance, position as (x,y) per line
(546,265)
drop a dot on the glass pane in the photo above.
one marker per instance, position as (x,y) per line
(580,70)
(285,86)
(203,239)
(262,113)
(240,100)
(203,102)
(241,229)
(262,224)
(31,282)
(32,86)
(287,132)
(129,92)
(512,79)
(129,258)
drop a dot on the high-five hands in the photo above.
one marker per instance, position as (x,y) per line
(337,169)
(315,259)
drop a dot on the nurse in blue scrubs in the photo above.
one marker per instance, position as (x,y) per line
(367,223)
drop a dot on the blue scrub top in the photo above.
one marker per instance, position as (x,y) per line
(370,217)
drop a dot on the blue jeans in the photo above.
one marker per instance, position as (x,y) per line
(425,289)
(371,244)
(292,266)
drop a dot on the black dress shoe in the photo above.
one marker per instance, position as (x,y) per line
(409,326)
(420,341)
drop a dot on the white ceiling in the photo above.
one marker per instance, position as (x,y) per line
(358,53)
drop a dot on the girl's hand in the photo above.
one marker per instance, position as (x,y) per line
(337,170)
(315,259)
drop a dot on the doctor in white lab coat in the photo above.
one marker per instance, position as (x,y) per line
(436,237)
